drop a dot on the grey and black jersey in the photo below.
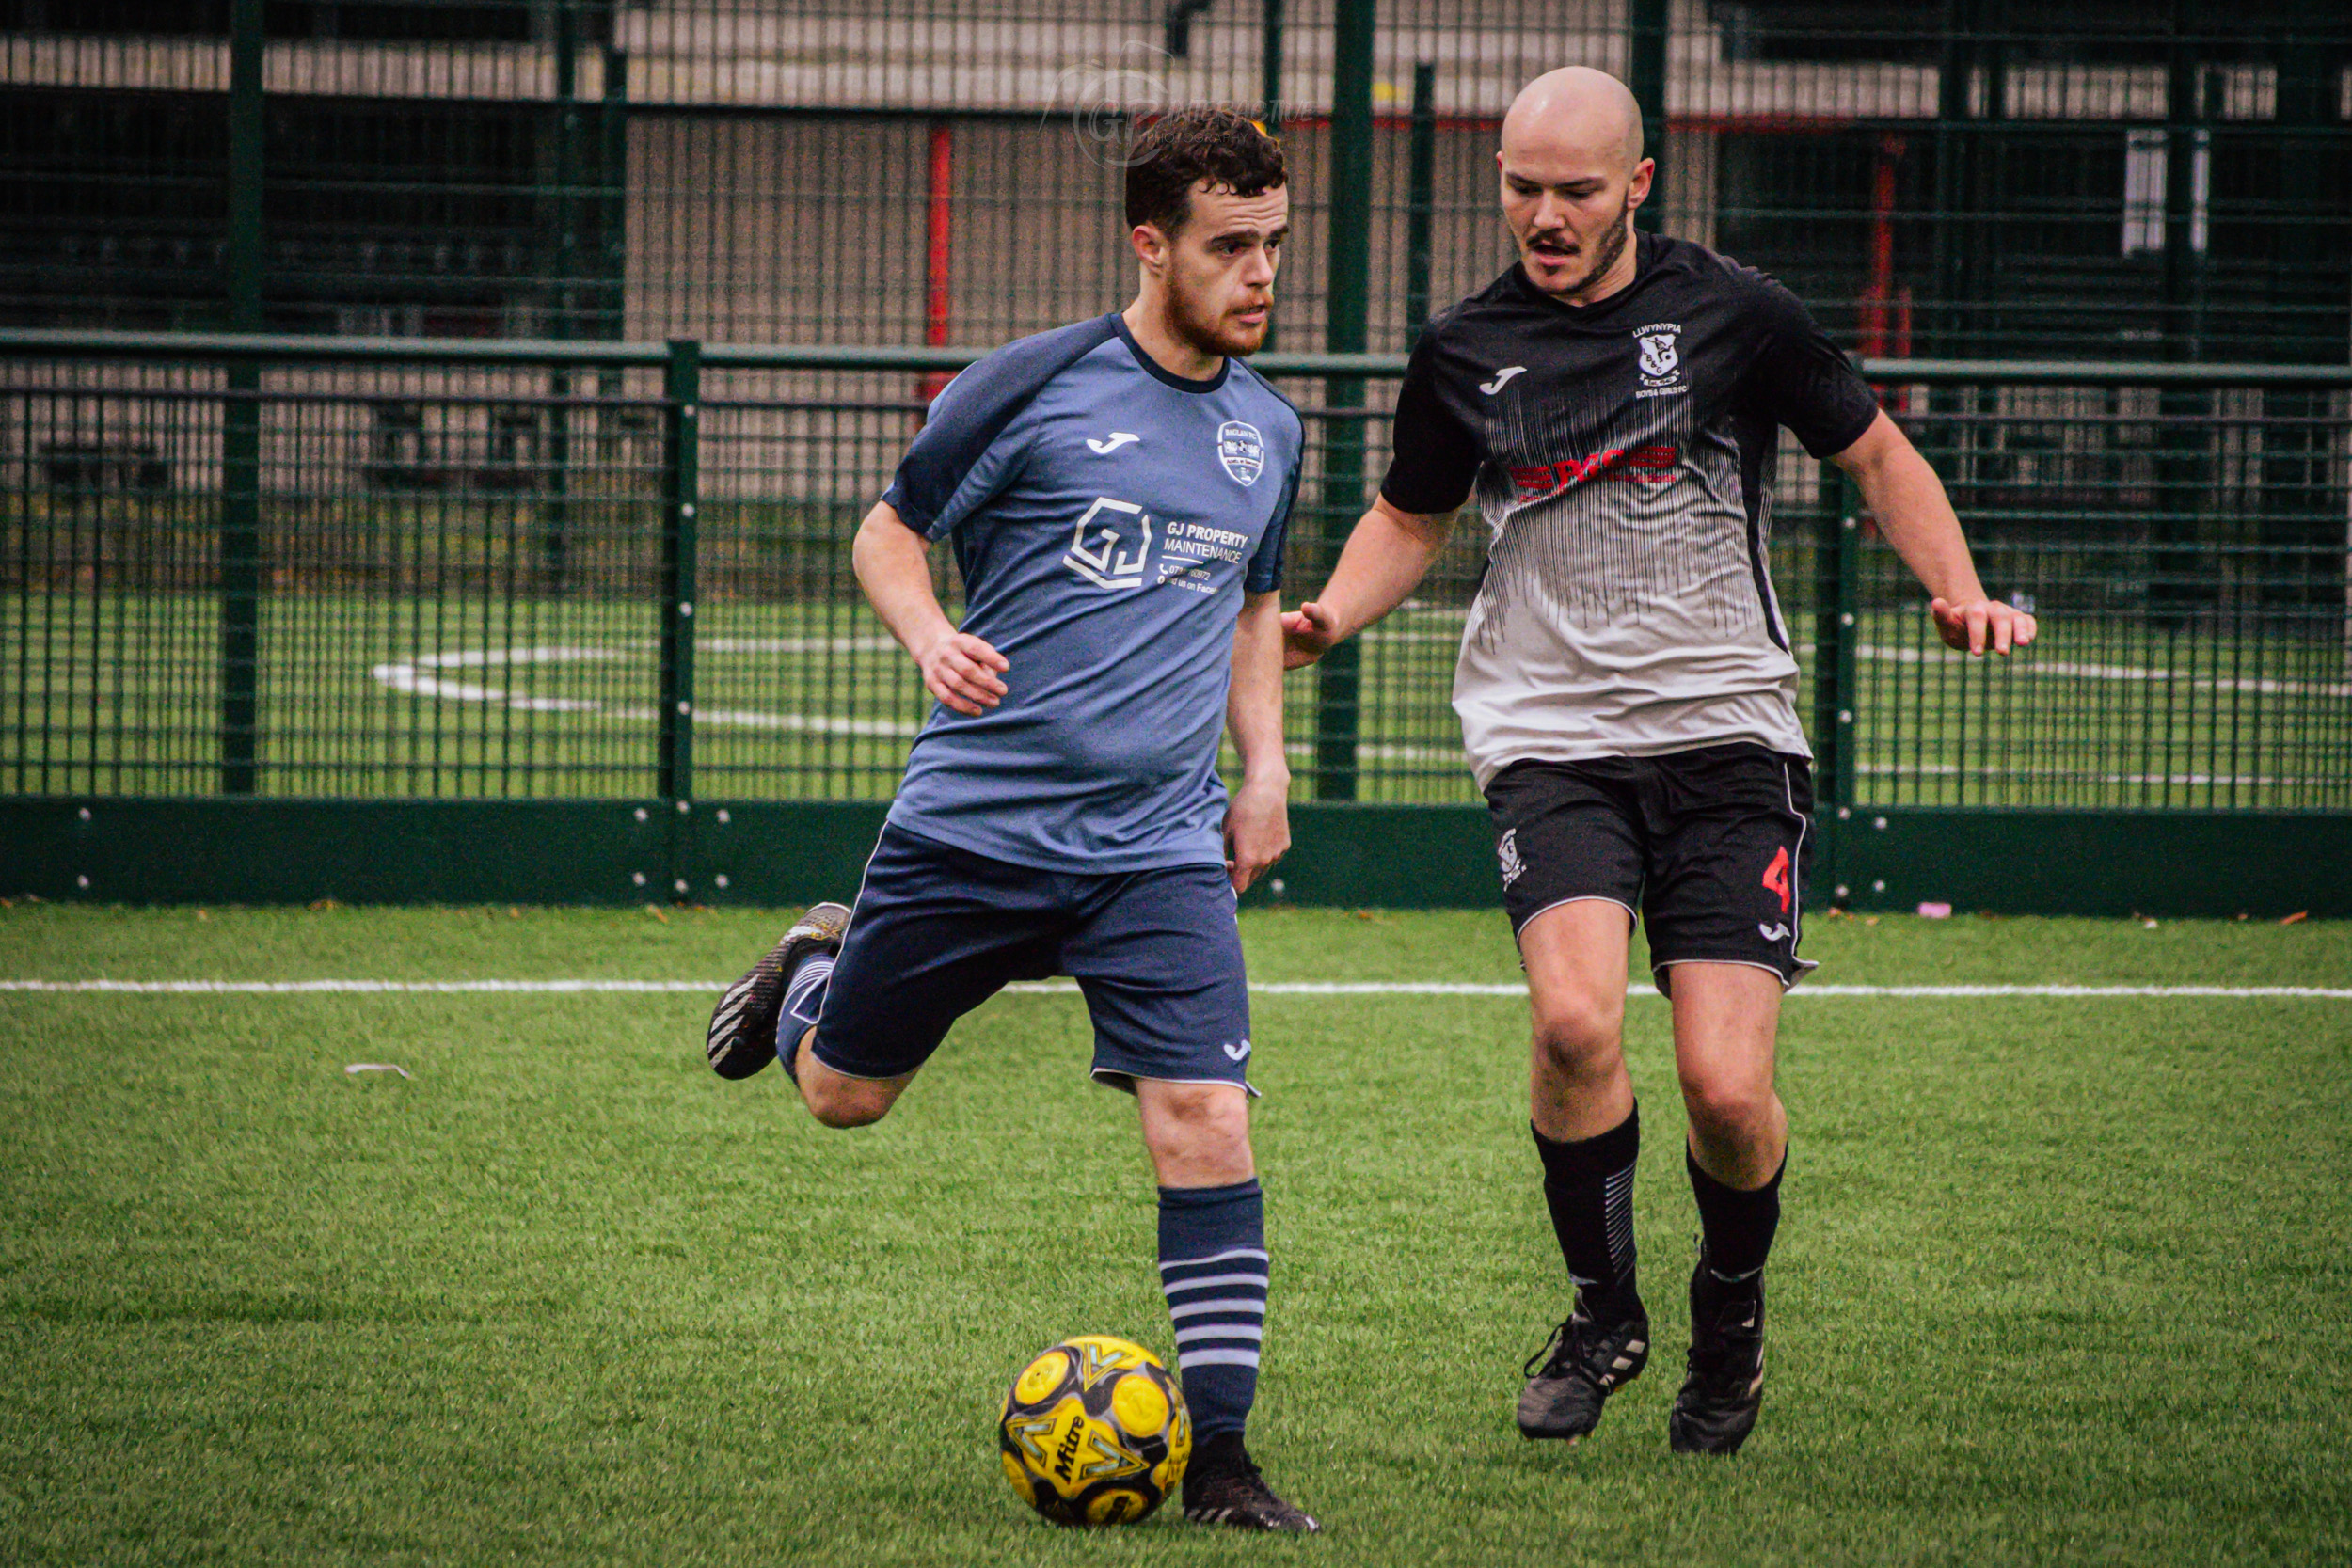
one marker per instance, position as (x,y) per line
(1619,454)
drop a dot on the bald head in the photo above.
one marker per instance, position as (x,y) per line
(1572,174)
(1575,112)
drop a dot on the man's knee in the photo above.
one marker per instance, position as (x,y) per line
(1198,1117)
(1727,1106)
(844,1102)
(1199,1133)
(1579,1035)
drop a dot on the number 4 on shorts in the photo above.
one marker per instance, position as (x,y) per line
(1776,879)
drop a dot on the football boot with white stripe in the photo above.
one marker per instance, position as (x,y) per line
(1576,1371)
(742,1038)
(1725,1390)
(1222,1486)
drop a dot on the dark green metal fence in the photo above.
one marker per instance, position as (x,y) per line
(248,570)
(1981,178)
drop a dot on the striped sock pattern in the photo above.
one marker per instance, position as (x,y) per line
(1588,1187)
(1214,1270)
(1617,1199)
(803,1000)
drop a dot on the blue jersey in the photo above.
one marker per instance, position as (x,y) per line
(1107,517)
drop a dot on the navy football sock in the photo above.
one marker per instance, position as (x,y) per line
(1588,1186)
(803,1000)
(1736,1226)
(1212,1267)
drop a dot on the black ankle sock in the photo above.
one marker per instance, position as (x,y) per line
(1736,1226)
(1588,1186)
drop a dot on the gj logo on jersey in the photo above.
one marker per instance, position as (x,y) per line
(1105,560)
(1660,359)
(1241,450)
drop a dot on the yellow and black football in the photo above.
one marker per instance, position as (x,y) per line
(1094,1431)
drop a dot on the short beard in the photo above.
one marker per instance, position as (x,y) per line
(1612,246)
(1213,336)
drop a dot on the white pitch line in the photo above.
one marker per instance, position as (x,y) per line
(1062,987)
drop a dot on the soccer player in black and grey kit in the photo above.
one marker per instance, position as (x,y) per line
(1626,692)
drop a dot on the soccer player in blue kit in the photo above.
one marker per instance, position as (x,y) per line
(1116,492)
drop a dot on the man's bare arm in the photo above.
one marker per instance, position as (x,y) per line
(1908,503)
(1257,819)
(1386,558)
(893,566)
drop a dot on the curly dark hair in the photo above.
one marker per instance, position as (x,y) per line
(1180,150)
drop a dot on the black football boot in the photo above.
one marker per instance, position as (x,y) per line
(742,1038)
(1720,1398)
(1222,1486)
(1574,1373)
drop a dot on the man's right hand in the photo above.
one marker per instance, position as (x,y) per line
(1308,632)
(960,670)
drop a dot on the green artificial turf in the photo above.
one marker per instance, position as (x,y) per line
(2060,1279)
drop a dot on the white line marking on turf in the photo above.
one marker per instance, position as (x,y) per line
(1069,988)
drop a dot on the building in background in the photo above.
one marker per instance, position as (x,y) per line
(1975,178)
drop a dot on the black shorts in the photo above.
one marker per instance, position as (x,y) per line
(938,931)
(1710,845)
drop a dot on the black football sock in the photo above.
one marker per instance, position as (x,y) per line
(1736,1226)
(1213,1269)
(803,1000)
(1588,1185)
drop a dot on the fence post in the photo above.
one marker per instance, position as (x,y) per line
(241,419)
(681,464)
(1836,634)
(1270,66)
(555,489)
(1421,183)
(1338,678)
(1645,76)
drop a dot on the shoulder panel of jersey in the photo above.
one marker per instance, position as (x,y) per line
(972,412)
(1434,451)
(1265,574)
(1797,376)
(1299,422)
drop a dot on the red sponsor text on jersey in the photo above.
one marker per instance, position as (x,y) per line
(1641,466)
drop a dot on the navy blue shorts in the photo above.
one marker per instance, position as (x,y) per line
(938,930)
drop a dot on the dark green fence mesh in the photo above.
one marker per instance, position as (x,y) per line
(459,574)
(459,589)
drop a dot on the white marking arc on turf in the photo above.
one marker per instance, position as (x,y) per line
(412,678)
(1060,988)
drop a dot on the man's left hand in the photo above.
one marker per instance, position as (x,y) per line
(1257,830)
(1979,625)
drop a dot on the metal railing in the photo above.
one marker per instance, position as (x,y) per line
(1981,178)
(363,569)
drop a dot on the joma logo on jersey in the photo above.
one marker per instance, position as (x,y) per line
(1105,562)
(1641,466)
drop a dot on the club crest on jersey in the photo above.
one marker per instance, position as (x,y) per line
(1660,358)
(1241,450)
